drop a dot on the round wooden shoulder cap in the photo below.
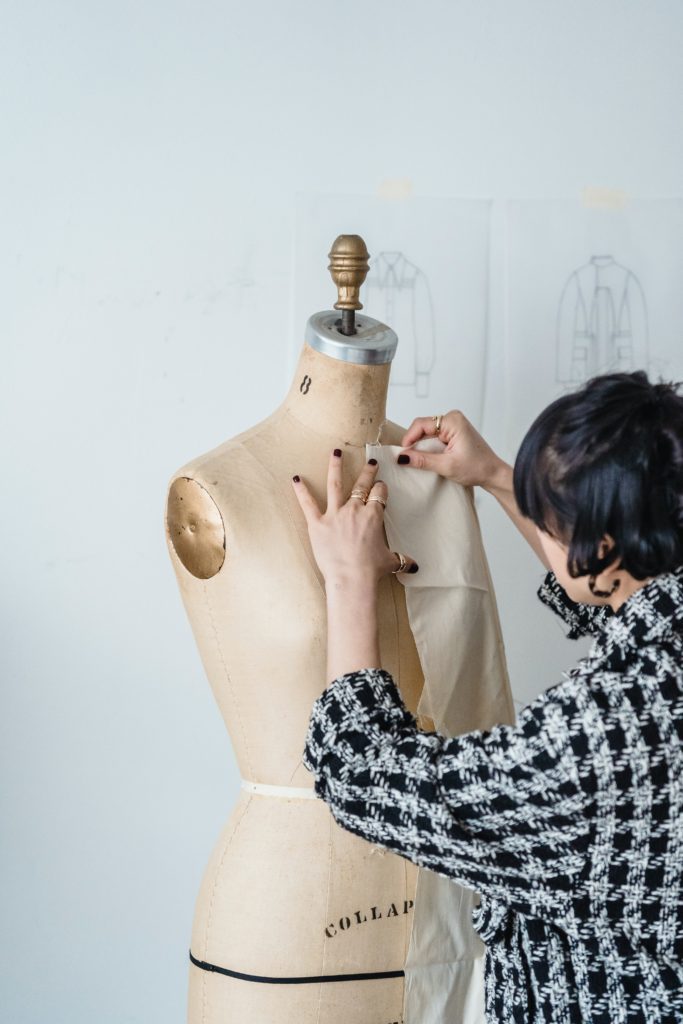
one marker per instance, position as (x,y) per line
(195,528)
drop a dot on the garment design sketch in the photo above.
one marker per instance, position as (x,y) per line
(398,293)
(602,323)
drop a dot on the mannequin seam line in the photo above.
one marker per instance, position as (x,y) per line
(311,561)
(228,841)
(327,907)
(322,433)
(228,677)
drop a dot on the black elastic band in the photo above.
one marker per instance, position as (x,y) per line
(310,980)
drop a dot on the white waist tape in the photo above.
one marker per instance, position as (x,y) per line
(264,789)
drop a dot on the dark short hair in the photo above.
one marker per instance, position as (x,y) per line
(608,458)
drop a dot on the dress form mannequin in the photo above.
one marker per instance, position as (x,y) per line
(286,893)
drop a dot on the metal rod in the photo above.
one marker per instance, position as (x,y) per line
(348,321)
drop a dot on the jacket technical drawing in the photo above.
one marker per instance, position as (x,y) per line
(601,322)
(398,293)
(569,823)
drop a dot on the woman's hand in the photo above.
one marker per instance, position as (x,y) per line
(468,459)
(349,546)
(348,537)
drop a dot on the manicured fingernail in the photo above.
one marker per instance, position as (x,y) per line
(337,452)
(372,462)
(403,460)
(296,479)
(414,567)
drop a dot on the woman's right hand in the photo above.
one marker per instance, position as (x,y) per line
(468,459)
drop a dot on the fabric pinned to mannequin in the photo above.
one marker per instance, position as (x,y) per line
(454,619)
(451,603)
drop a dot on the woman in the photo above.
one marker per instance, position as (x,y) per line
(570,823)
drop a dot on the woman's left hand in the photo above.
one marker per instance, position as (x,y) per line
(348,537)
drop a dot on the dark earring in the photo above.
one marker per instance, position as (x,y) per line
(602,593)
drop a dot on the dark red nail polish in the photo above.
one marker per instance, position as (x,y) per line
(337,452)
(372,462)
(296,479)
(403,460)
(414,568)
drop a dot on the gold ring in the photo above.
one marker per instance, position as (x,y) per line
(374,498)
(358,492)
(437,422)
(402,561)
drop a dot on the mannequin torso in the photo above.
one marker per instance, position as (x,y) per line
(286,892)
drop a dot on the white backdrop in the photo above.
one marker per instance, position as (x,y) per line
(152,155)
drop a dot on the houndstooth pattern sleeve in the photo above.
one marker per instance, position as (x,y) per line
(499,811)
(581,618)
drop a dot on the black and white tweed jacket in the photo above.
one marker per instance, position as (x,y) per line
(569,824)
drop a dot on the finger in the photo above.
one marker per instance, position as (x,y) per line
(436,461)
(451,423)
(410,565)
(366,477)
(377,498)
(335,493)
(423,426)
(309,505)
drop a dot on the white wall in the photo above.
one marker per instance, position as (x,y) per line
(151,154)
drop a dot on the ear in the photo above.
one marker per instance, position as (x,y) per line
(605,546)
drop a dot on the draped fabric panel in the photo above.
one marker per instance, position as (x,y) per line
(454,619)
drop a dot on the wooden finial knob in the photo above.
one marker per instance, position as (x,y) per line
(349,263)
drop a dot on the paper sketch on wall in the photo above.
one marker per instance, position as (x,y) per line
(602,323)
(398,293)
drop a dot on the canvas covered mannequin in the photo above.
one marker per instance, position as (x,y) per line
(286,893)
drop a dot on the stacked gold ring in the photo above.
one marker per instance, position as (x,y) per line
(374,497)
(358,492)
(437,422)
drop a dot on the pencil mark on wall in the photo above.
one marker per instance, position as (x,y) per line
(602,322)
(398,294)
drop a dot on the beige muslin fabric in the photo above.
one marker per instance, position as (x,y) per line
(454,619)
